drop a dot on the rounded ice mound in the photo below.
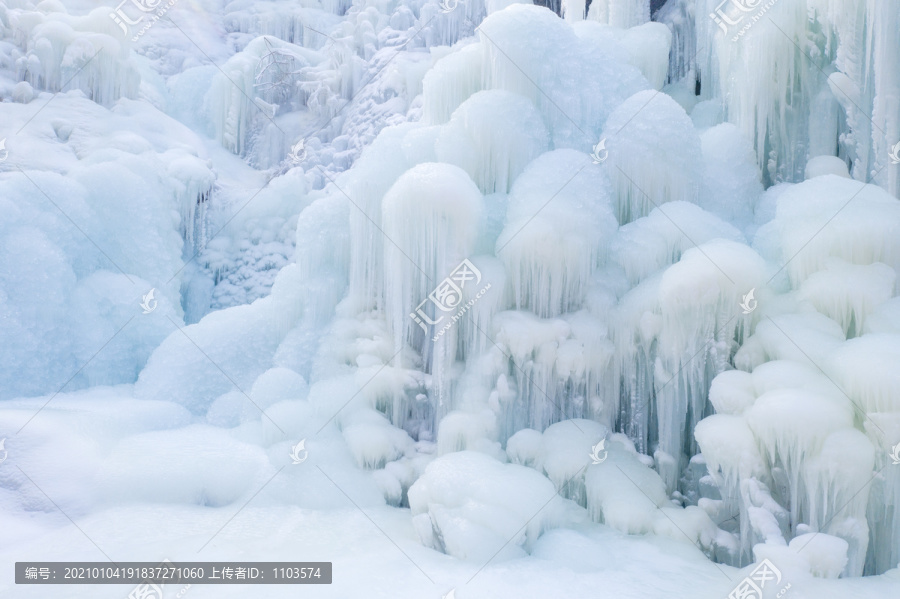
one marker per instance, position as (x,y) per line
(848,293)
(624,493)
(198,465)
(22,92)
(530,51)
(793,423)
(524,447)
(227,349)
(825,554)
(551,248)
(804,337)
(277,384)
(644,46)
(862,231)
(866,369)
(450,82)
(653,242)
(372,439)
(728,445)
(826,165)
(654,154)
(471,506)
(732,392)
(493,135)
(568,449)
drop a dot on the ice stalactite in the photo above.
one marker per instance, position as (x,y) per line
(821,407)
(366,185)
(678,16)
(322,254)
(196,186)
(651,128)
(636,329)
(620,13)
(700,324)
(430,218)
(865,370)
(801,78)
(674,333)
(483,301)
(866,36)
(297,24)
(562,368)
(768,82)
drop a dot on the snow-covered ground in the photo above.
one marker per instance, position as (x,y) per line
(471,298)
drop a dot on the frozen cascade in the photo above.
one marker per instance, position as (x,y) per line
(486,281)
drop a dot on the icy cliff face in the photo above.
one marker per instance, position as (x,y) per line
(654,263)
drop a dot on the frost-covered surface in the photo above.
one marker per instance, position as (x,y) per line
(461,295)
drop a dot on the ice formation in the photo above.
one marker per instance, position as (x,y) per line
(511,276)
